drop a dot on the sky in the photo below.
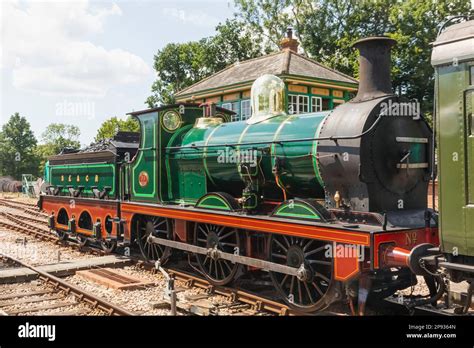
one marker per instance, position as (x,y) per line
(81,62)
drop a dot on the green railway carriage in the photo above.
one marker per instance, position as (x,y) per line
(453,60)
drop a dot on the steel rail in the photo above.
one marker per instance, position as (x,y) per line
(8,201)
(20,229)
(21,223)
(83,295)
(258,303)
(50,238)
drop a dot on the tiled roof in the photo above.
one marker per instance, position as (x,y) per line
(283,62)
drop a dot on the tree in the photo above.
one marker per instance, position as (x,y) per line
(56,137)
(17,148)
(59,136)
(179,65)
(328,28)
(232,43)
(269,19)
(113,125)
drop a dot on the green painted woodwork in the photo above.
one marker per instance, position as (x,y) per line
(183,172)
(247,84)
(329,97)
(469,117)
(213,202)
(178,177)
(86,175)
(46,173)
(145,162)
(296,210)
(455,160)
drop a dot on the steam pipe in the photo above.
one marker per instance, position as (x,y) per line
(393,256)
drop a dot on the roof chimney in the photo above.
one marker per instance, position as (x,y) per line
(288,43)
(374,67)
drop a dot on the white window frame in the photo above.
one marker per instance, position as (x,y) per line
(316,104)
(232,106)
(227,106)
(248,107)
(302,104)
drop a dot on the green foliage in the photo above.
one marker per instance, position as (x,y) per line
(179,65)
(17,148)
(267,18)
(113,125)
(59,136)
(328,28)
(56,137)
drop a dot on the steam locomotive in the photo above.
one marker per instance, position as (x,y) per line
(329,205)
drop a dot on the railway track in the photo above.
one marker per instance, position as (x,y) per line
(21,226)
(19,205)
(4,201)
(239,302)
(55,293)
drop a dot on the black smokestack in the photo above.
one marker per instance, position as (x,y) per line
(374,67)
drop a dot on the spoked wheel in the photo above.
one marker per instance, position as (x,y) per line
(108,245)
(62,235)
(225,239)
(82,240)
(156,226)
(305,292)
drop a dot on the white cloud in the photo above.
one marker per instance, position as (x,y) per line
(47,46)
(195,18)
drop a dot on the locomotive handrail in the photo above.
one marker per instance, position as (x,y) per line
(444,25)
(333,138)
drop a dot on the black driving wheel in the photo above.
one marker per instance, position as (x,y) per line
(155,226)
(225,239)
(305,292)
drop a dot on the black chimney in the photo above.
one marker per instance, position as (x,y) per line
(374,67)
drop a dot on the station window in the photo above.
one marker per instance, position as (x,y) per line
(233,106)
(245,109)
(326,104)
(472,76)
(298,104)
(316,104)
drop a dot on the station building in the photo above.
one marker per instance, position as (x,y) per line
(310,86)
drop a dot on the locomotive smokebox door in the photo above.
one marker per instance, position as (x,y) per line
(376,153)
